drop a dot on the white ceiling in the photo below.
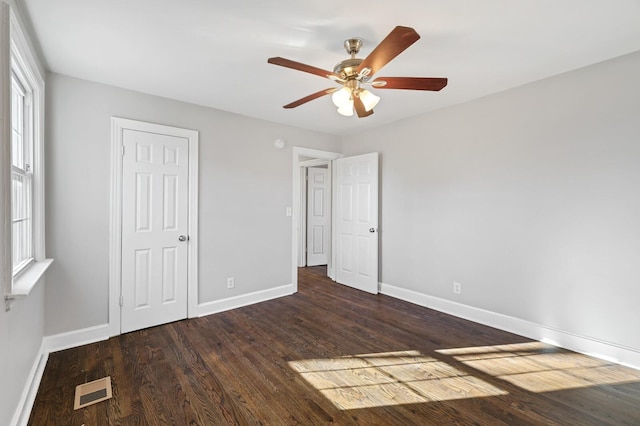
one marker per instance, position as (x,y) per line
(214,53)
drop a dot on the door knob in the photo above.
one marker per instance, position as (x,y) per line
(182,238)
(372,229)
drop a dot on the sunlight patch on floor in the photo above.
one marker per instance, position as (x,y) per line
(391,378)
(538,367)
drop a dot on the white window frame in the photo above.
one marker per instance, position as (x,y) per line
(24,65)
(21,112)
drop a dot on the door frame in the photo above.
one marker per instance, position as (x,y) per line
(118,125)
(298,163)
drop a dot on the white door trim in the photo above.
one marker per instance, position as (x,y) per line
(115,227)
(295,225)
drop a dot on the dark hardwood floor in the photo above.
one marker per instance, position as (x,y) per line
(331,354)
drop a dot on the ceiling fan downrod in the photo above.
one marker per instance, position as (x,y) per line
(347,69)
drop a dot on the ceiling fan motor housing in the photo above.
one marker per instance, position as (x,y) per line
(348,68)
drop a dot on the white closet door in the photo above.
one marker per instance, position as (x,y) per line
(154,229)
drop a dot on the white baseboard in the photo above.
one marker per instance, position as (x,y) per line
(217,306)
(72,339)
(28,397)
(50,344)
(583,344)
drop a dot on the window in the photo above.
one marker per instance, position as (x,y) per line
(24,166)
(21,174)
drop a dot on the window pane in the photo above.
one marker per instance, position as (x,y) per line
(22,234)
(21,245)
(17,123)
(21,220)
(18,196)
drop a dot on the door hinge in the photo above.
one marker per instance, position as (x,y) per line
(123,150)
(121,300)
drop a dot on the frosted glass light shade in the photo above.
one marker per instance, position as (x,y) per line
(369,100)
(347,108)
(341,97)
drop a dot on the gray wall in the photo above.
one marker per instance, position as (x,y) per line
(529,198)
(245,187)
(21,333)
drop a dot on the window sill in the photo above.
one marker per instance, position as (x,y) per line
(25,282)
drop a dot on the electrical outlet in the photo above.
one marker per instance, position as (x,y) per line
(231,282)
(457,288)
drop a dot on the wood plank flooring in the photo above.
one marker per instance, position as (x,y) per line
(333,355)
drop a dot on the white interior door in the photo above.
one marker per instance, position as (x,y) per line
(154,229)
(318,216)
(357,222)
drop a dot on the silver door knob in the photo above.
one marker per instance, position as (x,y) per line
(372,229)
(182,238)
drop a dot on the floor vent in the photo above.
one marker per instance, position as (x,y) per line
(92,392)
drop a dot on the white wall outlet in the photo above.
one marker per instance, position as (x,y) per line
(457,288)
(231,282)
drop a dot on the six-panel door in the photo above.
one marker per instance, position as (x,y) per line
(318,216)
(154,229)
(357,222)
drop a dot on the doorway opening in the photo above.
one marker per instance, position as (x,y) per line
(303,160)
(353,257)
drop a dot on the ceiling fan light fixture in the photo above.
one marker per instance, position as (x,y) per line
(341,97)
(353,74)
(369,100)
(347,108)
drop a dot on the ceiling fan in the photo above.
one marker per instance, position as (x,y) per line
(354,74)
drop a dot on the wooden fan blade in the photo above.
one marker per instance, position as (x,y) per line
(410,83)
(287,63)
(394,44)
(310,97)
(359,107)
